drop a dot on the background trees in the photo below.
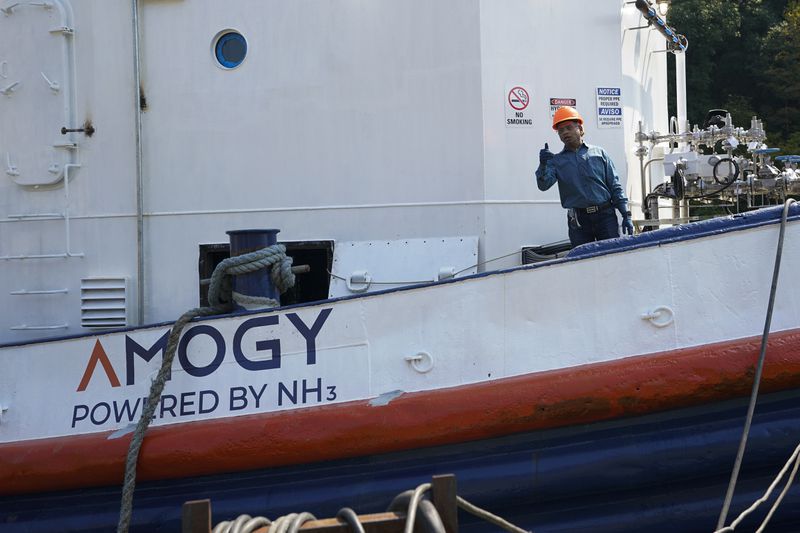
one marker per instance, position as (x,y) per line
(743,56)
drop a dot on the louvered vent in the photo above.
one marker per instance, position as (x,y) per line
(103,303)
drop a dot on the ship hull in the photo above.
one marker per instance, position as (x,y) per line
(669,417)
(664,472)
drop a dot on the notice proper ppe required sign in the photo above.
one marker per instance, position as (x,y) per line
(609,107)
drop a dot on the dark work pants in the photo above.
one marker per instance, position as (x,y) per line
(592,227)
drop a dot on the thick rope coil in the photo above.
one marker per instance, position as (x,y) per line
(350,517)
(290,523)
(274,258)
(431,521)
(243,524)
(220,296)
(254,302)
(411,501)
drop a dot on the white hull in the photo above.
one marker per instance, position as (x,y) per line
(523,321)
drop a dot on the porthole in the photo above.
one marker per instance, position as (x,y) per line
(230,49)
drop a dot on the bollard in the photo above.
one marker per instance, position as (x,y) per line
(256,283)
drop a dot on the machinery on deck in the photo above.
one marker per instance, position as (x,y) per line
(720,168)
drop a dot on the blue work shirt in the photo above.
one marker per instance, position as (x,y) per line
(585,178)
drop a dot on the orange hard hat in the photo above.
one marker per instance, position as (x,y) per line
(564,114)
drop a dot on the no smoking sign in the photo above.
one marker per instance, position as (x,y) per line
(517,99)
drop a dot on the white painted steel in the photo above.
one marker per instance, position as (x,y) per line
(34,107)
(480,329)
(371,266)
(347,122)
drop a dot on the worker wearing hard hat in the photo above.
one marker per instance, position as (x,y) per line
(587,182)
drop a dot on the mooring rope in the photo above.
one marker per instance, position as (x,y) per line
(757,379)
(489,517)
(413,503)
(411,500)
(220,296)
(220,291)
(289,523)
(794,459)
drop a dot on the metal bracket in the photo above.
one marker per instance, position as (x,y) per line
(422,362)
(660,317)
(26,292)
(11,170)
(54,86)
(8,11)
(64,29)
(88,129)
(446,273)
(26,327)
(66,145)
(10,88)
(360,278)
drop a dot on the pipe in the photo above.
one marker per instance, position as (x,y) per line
(676,41)
(643,178)
(680,93)
(641,151)
(139,178)
(68,252)
(70,94)
(650,173)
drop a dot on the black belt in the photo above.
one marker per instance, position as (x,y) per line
(594,208)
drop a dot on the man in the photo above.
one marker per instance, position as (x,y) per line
(587,183)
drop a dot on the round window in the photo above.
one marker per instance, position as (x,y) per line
(230,49)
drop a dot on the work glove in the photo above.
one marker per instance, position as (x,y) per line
(545,155)
(627,225)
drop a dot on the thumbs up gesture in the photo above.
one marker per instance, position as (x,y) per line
(545,155)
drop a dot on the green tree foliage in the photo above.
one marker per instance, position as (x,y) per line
(782,80)
(709,25)
(743,56)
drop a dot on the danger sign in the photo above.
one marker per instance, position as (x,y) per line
(517,99)
(555,103)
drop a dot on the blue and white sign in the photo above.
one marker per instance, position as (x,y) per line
(609,107)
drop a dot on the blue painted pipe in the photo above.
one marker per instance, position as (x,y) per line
(257,283)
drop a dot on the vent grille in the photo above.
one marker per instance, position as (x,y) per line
(104,303)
